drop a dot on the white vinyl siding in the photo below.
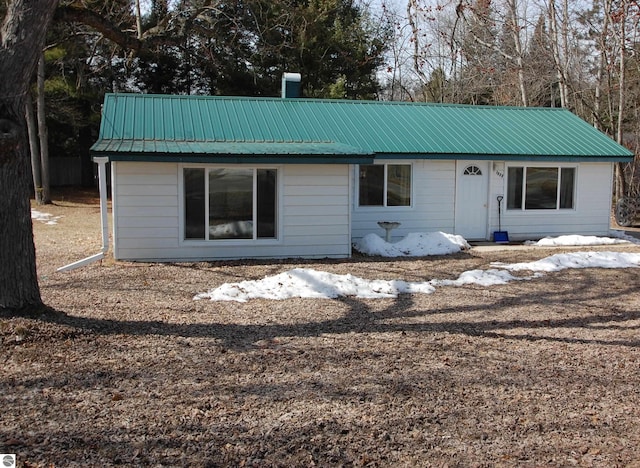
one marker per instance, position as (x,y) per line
(433,204)
(319,216)
(314,209)
(432,207)
(590,215)
(141,224)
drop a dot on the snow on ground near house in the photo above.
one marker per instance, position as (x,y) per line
(304,282)
(45,218)
(413,245)
(572,240)
(560,262)
(309,283)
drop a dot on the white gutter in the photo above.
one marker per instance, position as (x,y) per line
(102,184)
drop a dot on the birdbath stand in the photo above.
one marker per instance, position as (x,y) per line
(388,226)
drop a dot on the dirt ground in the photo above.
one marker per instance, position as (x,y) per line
(131,371)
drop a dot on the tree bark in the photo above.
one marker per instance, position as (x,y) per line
(34,149)
(602,64)
(92,19)
(412,14)
(621,182)
(564,84)
(560,64)
(138,19)
(43,134)
(21,39)
(517,42)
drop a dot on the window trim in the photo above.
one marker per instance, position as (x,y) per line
(230,242)
(356,201)
(559,167)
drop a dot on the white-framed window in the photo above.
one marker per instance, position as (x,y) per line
(230,203)
(384,185)
(541,187)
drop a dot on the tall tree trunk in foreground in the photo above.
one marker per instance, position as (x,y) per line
(22,38)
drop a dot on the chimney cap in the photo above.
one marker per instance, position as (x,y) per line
(295,77)
(291,85)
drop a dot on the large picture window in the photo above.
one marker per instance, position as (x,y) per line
(540,188)
(384,185)
(230,203)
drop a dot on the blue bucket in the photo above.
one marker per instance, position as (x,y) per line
(501,237)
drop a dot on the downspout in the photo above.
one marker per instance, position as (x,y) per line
(102,184)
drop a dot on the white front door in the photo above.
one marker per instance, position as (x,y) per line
(472,188)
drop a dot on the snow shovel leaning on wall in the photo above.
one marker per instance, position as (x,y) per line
(500,236)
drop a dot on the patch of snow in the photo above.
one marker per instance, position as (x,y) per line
(413,245)
(574,239)
(45,218)
(560,262)
(309,283)
(303,282)
(623,235)
(490,277)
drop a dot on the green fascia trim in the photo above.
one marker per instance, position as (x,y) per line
(340,159)
(237,159)
(507,157)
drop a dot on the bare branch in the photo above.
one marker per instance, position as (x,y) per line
(99,23)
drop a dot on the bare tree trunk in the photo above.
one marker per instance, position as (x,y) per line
(43,134)
(564,84)
(560,64)
(517,42)
(34,149)
(621,187)
(621,182)
(138,19)
(621,73)
(413,9)
(22,38)
(602,63)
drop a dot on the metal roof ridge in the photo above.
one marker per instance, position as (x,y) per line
(247,142)
(338,101)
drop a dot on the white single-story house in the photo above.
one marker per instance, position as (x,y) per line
(208,178)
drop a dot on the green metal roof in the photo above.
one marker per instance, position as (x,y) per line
(204,128)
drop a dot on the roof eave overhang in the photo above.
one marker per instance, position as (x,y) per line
(355,157)
(238,158)
(508,157)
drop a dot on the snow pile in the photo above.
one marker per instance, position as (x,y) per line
(302,282)
(45,218)
(480,277)
(575,239)
(413,245)
(309,283)
(560,262)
